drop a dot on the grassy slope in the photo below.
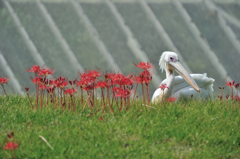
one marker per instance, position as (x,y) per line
(188,130)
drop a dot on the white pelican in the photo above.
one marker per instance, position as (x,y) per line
(185,85)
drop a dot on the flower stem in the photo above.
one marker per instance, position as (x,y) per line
(147,85)
(4,90)
(134,93)
(143,90)
(86,102)
(30,100)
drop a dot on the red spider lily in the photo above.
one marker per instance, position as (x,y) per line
(75,81)
(118,79)
(90,76)
(36,80)
(88,88)
(116,89)
(36,69)
(231,84)
(4,80)
(41,86)
(51,82)
(82,83)
(93,73)
(237,98)
(109,76)
(171,99)
(122,80)
(143,79)
(61,82)
(51,90)
(101,85)
(27,89)
(11,135)
(143,65)
(11,146)
(227,96)
(220,97)
(236,85)
(221,88)
(70,82)
(70,91)
(46,72)
(122,92)
(163,86)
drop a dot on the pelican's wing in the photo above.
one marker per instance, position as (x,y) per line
(203,82)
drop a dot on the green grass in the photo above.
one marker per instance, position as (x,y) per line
(192,129)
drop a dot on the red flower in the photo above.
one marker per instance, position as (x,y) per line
(4,80)
(27,89)
(61,82)
(51,82)
(41,86)
(237,98)
(109,76)
(70,91)
(118,79)
(88,87)
(36,80)
(116,89)
(101,85)
(236,85)
(144,77)
(222,88)
(123,93)
(50,90)
(163,86)
(94,73)
(171,99)
(231,84)
(220,97)
(46,72)
(11,146)
(227,96)
(11,135)
(143,65)
(35,69)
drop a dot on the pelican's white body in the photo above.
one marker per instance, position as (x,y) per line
(182,89)
(201,85)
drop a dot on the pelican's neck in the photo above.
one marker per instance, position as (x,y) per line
(169,81)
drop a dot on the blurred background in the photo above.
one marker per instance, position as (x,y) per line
(71,35)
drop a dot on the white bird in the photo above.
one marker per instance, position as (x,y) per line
(185,85)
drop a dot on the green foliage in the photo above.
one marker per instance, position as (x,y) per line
(192,129)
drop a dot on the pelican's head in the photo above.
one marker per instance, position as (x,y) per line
(169,62)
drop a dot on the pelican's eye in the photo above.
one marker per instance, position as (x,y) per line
(171,58)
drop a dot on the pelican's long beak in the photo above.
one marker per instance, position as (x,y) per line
(177,66)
